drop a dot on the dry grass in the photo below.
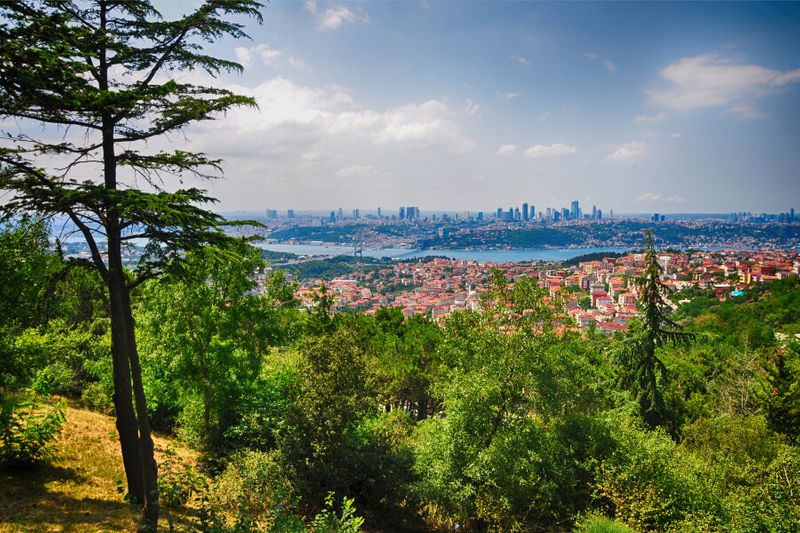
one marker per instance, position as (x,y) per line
(80,489)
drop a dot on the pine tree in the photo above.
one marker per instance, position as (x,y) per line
(643,372)
(93,80)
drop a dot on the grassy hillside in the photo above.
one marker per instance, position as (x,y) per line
(79,490)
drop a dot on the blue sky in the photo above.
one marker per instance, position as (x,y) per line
(469,106)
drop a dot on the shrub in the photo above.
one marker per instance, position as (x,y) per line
(25,432)
(601,524)
(254,482)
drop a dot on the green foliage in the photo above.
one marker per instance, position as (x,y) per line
(26,430)
(648,484)
(202,337)
(783,402)
(515,446)
(28,273)
(600,524)
(346,522)
(253,481)
(335,395)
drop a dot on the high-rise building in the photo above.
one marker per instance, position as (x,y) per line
(499,213)
(594,212)
(575,212)
(272,213)
(290,213)
(356,214)
(525,211)
(599,214)
(532,212)
(341,216)
(379,212)
(332,217)
(402,214)
(565,213)
(480,215)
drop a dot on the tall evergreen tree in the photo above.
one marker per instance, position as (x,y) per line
(643,372)
(93,79)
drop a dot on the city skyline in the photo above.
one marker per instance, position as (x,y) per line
(669,108)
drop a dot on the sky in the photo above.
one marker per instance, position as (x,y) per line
(635,107)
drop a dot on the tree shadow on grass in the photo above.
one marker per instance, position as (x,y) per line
(30,500)
(29,503)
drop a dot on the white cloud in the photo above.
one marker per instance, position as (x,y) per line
(265,52)
(310,6)
(549,150)
(610,66)
(331,114)
(715,81)
(676,135)
(628,154)
(333,17)
(651,198)
(650,119)
(471,108)
(506,149)
(355,171)
(509,95)
(521,60)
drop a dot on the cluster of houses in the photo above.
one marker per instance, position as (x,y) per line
(600,294)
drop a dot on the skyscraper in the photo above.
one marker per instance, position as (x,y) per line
(290,213)
(499,213)
(575,212)
(525,211)
(402,214)
(356,214)
(379,212)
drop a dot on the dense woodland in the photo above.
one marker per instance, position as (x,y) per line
(495,420)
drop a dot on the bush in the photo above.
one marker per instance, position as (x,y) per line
(601,524)
(25,432)
(254,482)
(651,485)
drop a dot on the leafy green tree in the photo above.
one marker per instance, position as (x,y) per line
(203,336)
(94,77)
(28,273)
(643,372)
(317,443)
(509,449)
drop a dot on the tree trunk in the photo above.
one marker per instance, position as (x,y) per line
(149,465)
(123,397)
